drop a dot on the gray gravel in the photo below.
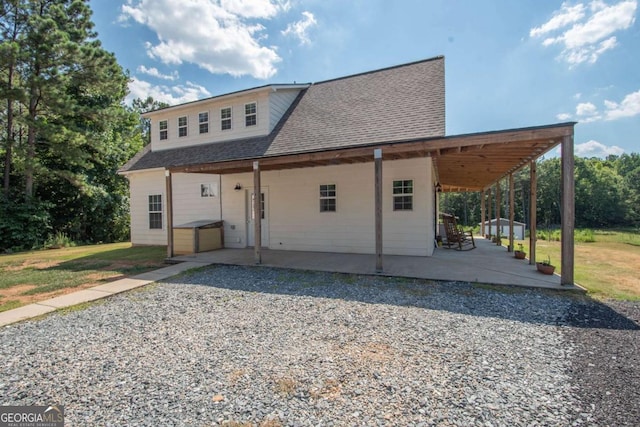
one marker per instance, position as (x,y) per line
(271,347)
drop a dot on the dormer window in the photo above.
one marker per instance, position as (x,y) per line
(225,118)
(203,122)
(250,114)
(182,126)
(163,126)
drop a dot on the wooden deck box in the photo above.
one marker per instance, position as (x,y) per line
(198,236)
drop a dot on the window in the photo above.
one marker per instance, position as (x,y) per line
(225,118)
(203,122)
(250,114)
(182,126)
(328,198)
(403,195)
(163,125)
(155,211)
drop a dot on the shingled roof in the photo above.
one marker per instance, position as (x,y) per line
(401,103)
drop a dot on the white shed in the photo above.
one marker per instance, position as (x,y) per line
(490,227)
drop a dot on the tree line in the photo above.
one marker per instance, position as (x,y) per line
(65,128)
(607,194)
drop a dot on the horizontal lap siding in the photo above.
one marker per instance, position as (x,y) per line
(194,137)
(296,223)
(188,205)
(279,102)
(142,185)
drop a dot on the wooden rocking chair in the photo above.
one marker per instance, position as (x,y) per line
(456,237)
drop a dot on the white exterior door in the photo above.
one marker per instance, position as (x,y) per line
(264,199)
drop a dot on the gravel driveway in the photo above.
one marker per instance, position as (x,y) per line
(270,347)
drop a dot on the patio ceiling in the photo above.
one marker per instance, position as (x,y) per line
(469,162)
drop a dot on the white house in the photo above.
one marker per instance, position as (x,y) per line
(346,165)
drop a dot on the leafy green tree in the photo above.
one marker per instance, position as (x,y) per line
(73,131)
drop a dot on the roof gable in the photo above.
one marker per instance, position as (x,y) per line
(401,103)
(394,104)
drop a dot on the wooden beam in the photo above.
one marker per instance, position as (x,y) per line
(169,192)
(568,212)
(533,206)
(489,210)
(482,213)
(512,204)
(257,214)
(377,155)
(498,213)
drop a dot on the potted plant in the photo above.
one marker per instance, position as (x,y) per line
(520,253)
(545,267)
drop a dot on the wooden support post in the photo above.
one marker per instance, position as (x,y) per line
(533,200)
(482,213)
(377,156)
(257,214)
(498,214)
(568,212)
(489,211)
(169,192)
(512,204)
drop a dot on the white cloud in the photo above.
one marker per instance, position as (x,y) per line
(563,116)
(586,33)
(577,95)
(565,16)
(300,29)
(596,149)
(155,73)
(173,95)
(629,107)
(221,37)
(586,112)
(586,109)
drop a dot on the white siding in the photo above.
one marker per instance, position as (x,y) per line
(215,134)
(279,102)
(188,204)
(141,186)
(296,223)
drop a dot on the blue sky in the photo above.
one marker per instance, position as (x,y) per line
(508,63)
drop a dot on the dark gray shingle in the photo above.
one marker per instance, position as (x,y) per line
(394,104)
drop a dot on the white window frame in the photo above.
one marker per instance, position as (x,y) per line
(223,120)
(403,196)
(163,130)
(202,122)
(183,127)
(153,205)
(251,116)
(326,194)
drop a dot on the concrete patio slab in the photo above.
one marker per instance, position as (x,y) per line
(487,263)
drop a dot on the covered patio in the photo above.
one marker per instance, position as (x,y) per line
(487,264)
(472,162)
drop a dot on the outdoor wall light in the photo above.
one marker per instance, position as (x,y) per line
(438,187)
(238,187)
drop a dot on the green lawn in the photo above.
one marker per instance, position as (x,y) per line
(608,267)
(31,276)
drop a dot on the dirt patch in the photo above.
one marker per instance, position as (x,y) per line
(105,274)
(14,293)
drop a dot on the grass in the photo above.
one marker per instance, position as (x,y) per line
(33,276)
(607,265)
